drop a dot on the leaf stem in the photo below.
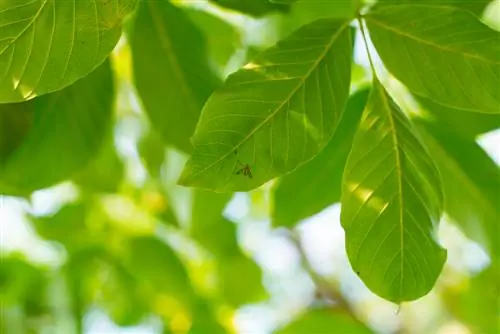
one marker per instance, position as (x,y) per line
(363,33)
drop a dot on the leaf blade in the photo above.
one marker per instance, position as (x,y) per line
(453,57)
(47,45)
(267,101)
(171,72)
(390,189)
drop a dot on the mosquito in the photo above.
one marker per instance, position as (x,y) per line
(244,169)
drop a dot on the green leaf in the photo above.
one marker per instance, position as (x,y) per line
(325,321)
(317,184)
(171,71)
(158,268)
(15,123)
(152,152)
(462,122)
(105,173)
(391,204)
(305,11)
(443,53)
(251,7)
(471,180)
(276,113)
(477,303)
(223,39)
(239,278)
(46,45)
(475,6)
(67,131)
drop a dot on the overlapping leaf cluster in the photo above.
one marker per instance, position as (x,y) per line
(292,114)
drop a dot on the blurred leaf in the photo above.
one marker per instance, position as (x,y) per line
(171,69)
(317,184)
(459,70)
(20,282)
(67,131)
(105,173)
(240,280)
(158,269)
(475,6)
(477,304)
(46,45)
(263,122)
(325,321)
(15,123)
(120,297)
(306,11)
(239,277)
(152,151)
(251,7)
(67,226)
(223,38)
(391,204)
(471,183)
(462,122)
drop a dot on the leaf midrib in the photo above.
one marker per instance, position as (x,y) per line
(427,42)
(282,104)
(399,172)
(31,22)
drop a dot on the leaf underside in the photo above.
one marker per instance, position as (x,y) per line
(46,45)
(391,204)
(276,113)
(422,47)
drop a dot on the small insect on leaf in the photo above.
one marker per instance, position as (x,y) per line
(244,169)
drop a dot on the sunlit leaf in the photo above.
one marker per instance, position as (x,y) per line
(251,7)
(471,183)
(440,52)
(67,130)
(276,113)
(318,183)
(391,204)
(325,321)
(46,45)
(171,71)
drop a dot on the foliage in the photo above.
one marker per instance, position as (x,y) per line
(95,93)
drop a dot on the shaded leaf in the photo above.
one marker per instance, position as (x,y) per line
(462,122)
(15,123)
(105,173)
(325,321)
(46,45)
(318,183)
(68,128)
(475,6)
(239,278)
(251,7)
(276,113)
(444,53)
(477,303)
(223,39)
(391,204)
(171,71)
(471,181)
(158,268)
